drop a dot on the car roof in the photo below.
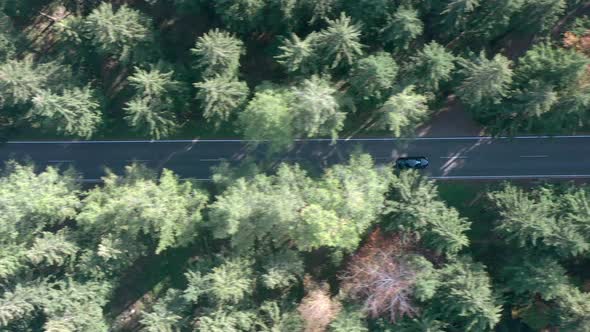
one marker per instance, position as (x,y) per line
(409,157)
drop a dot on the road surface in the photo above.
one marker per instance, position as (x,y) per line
(451,158)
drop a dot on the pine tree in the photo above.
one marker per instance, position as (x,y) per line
(316,108)
(51,249)
(150,111)
(374,76)
(153,83)
(540,15)
(151,117)
(403,111)
(117,33)
(415,210)
(340,43)
(432,66)
(465,299)
(289,207)
(228,283)
(74,112)
(486,81)
(20,80)
(29,202)
(403,27)
(298,55)
(268,116)
(221,96)
(457,13)
(166,209)
(218,53)
(242,16)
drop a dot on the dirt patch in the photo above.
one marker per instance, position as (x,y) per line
(451,120)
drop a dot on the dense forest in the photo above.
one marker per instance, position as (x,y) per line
(284,69)
(353,247)
(356,248)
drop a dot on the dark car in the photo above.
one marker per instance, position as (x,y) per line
(411,163)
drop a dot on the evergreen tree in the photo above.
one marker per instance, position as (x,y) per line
(316,108)
(220,97)
(268,116)
(403,111)
(218,53)
(298,55)
(29,202)
(153,83)
(150,116)
(374,76)
(51,249)
(486,81)
(340,43)
(242,16)
(117,33)
(465,298)
(165,209)
(540,15)
(432,66)
(403,27)
(415,210)
(20,80)
(150,110)
(289,208)
(74,112)
(228,283)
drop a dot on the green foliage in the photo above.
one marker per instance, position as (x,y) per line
(73,112)
(150,110)
(349,320)
(51,249)
(374,76)
(289,207)
(227,321)
(282,269)
(465,297)
(541,15)
(117,32)
(540,219)
(403,28)
(339,44)
(551,65)
(29,202)
(218,53)
(403,111)
(268,116)
(432,66)
(486,81)
(20,80)
(149,116)
(298,55)
(228,283)
(415,209)
(316,108)
(241,15)
(220,97)
(166,209)
(152,83)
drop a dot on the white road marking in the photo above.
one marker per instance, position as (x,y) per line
(500,177)
(382,139)
(455,157)
(100,180)
(60,161)
(535,156)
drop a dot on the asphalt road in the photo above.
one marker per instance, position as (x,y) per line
(450,158)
